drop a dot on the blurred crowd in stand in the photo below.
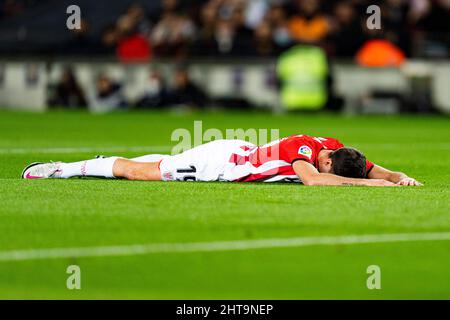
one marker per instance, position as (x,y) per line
(227,28)
(224,28)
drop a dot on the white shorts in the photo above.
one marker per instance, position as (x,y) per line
(207,162)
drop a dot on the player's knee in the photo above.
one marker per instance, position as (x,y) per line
(136,172)
(130,172)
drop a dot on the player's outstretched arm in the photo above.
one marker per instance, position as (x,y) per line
(309,175)
(398,178)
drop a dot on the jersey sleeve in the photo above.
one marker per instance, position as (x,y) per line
(298,149)
(369,166)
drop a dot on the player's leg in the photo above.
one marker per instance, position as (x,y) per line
(132,170)
(99,167)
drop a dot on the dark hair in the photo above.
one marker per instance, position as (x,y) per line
(348,162)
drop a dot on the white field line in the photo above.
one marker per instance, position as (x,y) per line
(142,249)
(57,150)
(167,148)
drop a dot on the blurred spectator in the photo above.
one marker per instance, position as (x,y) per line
(81,42)
(418,9)
(155,92)
(141,22)
(109,39)
(264,42)
(223,29)
(309,24)
(108,95)
(396,29)
(243,35)
(130,35)
(433,24)
(380,53)
(279,24)
(303,72)
(185,92)
(435,17)
(68,92)
(224,36)
(11,8)
(347,35)
(255,12)
(134,48)
(205,43)
(131,46)
(173,32)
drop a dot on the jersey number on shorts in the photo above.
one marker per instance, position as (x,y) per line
(191,169)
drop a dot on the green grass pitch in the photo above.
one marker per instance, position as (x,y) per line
(97,212)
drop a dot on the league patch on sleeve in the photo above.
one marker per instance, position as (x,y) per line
(305,151)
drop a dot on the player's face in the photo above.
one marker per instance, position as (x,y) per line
(325,164)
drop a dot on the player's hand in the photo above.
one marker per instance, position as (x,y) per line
(409,182)
(381,183)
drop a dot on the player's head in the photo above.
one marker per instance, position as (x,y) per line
(346,162)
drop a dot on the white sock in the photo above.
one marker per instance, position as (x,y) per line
(149,158)
(102,167)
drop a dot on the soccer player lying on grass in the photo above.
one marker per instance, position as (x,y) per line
(298,158)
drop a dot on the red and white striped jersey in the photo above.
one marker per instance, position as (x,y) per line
(273,162)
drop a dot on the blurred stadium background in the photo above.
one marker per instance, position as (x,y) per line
(204,54)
